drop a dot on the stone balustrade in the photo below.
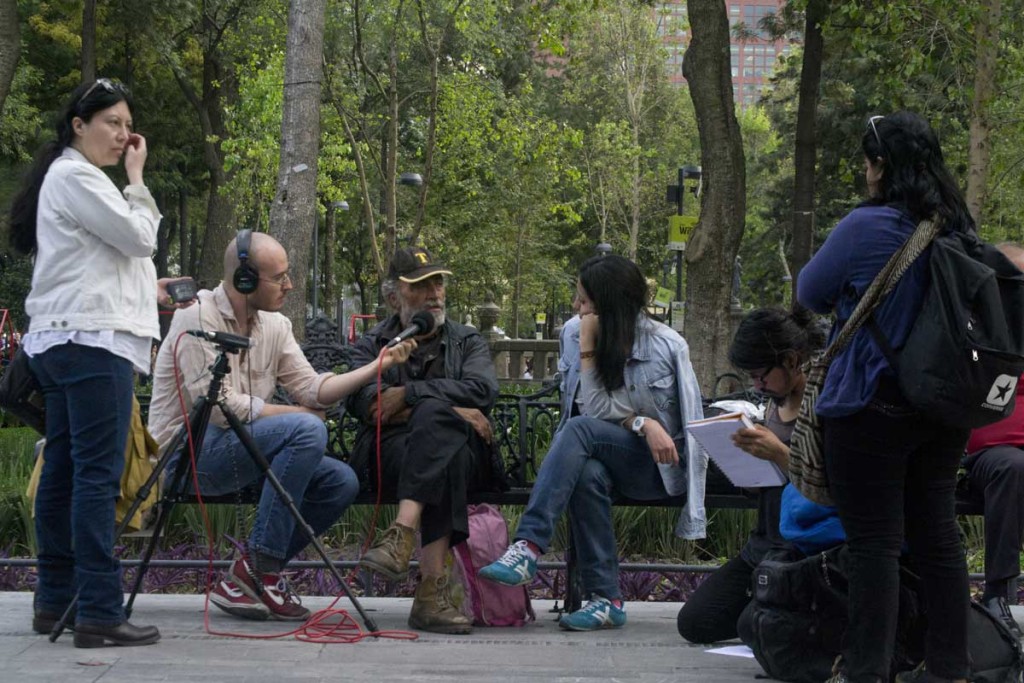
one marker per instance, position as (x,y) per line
(510,357)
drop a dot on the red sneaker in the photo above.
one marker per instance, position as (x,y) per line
(232,599)
(270,590)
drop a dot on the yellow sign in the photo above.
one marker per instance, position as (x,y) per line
(679,228)
(664,297)
(541,318)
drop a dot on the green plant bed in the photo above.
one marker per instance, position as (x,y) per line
(17,534)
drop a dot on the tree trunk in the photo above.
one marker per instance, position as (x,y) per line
(184,253)
(805,152)
(517,286)
(716,239)
(207,259)
(329,242)
(979,150)
(89,41)
(637,180)
(10,46)
(390,186)
(163,234)
(294,213)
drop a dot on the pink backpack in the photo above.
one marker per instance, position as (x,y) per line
(488,603)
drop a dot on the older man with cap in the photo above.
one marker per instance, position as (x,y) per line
(435,436)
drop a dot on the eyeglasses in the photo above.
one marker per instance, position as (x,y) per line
(280,280)
(871,122)
(108,85)
(760,376)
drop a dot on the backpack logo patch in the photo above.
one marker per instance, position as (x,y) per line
(1002,392)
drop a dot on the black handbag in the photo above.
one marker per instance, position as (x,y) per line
(20,394)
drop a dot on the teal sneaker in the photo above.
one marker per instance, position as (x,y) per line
(516,567)
(597,614)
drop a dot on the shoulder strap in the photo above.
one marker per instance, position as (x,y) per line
(884,282)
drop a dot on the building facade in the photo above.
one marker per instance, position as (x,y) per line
(753,51)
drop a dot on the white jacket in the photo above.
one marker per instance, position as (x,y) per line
(93,269)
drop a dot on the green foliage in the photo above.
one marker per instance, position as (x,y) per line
(19,119)
(252,153)
(17,532)
(15,282)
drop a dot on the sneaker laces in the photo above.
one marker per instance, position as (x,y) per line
(391,540)
(444,595)
(516,553)
(596,604)
(285,589)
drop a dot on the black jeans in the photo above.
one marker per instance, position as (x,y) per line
(435,458)
(711,613)
(996,478)
(892,471)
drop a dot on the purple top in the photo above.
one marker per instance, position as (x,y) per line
(834,280)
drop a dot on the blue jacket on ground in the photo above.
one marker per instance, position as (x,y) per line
(807,525)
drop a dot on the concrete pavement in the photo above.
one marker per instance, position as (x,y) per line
(647,649)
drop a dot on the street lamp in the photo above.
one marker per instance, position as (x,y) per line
(342,205)
(603,249)
(677,195)
(409,179)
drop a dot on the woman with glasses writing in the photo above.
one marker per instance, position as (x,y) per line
(771,346)
(93,318)
(892,470)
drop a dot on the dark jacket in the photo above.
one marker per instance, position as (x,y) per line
(470,380)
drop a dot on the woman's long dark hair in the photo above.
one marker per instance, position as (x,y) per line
(914,175)
(618,291)
(26,201)
(766,335)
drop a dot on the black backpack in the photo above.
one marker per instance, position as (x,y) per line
(965,352)
(995,653)
(795,620)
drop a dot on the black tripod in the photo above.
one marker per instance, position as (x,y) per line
(198,420)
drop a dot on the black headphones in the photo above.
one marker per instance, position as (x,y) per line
(246,278)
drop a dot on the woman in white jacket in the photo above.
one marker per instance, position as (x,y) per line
(93,320)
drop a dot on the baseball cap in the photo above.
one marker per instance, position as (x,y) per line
(413,264)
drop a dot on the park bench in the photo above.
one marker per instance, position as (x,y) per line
(523,426)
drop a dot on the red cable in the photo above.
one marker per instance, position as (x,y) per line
(326,626)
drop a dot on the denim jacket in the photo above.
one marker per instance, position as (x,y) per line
(569,366)
(662,385)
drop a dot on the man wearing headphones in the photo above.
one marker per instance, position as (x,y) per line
(292,437)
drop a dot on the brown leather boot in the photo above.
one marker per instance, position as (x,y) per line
(433,609)
(390,554)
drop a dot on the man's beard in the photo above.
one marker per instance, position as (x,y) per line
(439,317)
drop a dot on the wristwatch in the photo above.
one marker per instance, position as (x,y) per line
(638,425)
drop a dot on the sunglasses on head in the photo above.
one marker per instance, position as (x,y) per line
(871,122)
(108,85)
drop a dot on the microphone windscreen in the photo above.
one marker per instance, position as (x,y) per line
(424,321)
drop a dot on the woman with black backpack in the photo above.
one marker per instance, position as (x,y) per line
(891,469)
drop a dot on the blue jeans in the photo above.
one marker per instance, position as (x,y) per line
(294,444)
(590,461)
(88,413)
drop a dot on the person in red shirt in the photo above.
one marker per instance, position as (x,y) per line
(995,478)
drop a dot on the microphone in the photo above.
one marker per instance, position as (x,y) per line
(234,341)
(421,323)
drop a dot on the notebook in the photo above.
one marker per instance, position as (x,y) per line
(714,434)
